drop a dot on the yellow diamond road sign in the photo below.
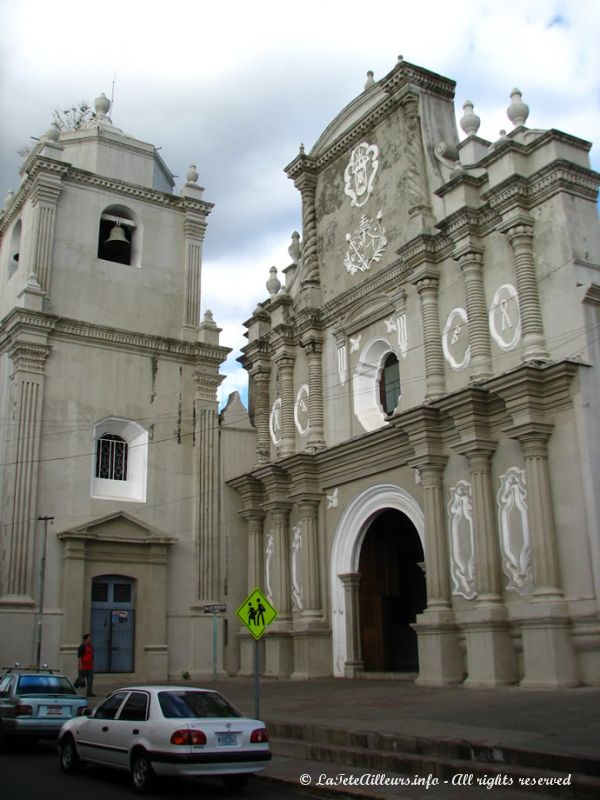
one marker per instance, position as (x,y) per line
(256,613)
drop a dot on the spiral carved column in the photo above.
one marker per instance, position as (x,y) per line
(435,384)
(520,236)
(471,264)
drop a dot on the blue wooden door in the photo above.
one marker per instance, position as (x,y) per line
(113,623)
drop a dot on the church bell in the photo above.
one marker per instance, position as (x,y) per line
(116,238)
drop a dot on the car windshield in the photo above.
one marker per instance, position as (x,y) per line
(192,703)
(45,684)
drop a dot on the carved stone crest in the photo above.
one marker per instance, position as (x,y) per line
(360,173)
(365,245)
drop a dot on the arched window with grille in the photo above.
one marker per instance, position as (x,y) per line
(111,457)
(120,463)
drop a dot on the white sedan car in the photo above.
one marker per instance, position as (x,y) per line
(164,731)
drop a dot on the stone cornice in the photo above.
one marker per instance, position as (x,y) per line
(385,281)
(532,394)
(407,74)
(559,176)
(251,491)
(425,249)
(469,410)
(68,173)
(77,330)
(357,458)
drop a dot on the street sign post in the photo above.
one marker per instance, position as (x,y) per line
(256,613)
(214,609)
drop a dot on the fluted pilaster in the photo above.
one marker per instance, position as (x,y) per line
(194,231)
(487,555)
(354,662)
(285,365)
(437,579)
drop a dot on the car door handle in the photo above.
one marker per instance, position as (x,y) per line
(135,731)
(105,728)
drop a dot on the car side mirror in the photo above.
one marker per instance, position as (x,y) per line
(85,711)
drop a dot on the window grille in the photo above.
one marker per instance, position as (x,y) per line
(111,458)
(389,384)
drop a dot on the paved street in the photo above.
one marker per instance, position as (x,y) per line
(32,773)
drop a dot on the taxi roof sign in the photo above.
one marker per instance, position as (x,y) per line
(256,613)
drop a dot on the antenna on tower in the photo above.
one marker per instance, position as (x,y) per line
(112,95)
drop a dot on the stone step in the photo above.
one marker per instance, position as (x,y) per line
(456,749)
(443,766)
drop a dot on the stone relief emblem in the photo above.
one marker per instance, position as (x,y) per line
(270,547)
(301,417)
(275,422)
(455,339)
(355,343)
(514,531)
(399,325)
(505,318)
(462,543)
(296,581)
(332,499)
(365,245)
(360,173)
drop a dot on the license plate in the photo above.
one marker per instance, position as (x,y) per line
(226,739)
(54,711)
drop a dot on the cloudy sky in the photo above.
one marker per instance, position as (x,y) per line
(236,87)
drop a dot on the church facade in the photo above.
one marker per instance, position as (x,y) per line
(424,384)
(112,442)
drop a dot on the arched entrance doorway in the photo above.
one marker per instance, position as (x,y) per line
(351,530)
(391,593)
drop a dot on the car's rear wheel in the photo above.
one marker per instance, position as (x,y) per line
(235,781)
(69,760)
(142,774)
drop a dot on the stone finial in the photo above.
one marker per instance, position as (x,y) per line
(52,133)
(9,198)
(192,174)
(273,284)
(469,121)
(101,106)
(370,80)
(400,59)
(301,151)
(518,111)
(294,249)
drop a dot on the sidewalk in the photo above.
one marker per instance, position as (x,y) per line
(336,727)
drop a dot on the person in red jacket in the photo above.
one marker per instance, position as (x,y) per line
(85,665)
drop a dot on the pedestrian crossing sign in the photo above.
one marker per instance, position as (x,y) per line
(256,613)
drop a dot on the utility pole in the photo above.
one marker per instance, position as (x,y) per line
(40,620)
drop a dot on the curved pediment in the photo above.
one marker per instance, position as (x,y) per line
(347,119)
